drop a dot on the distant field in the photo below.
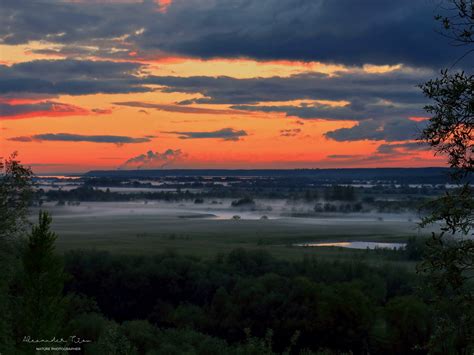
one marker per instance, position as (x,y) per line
(139,229)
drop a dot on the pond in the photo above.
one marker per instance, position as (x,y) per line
(356,245)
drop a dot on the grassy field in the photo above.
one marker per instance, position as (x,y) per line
(135,231)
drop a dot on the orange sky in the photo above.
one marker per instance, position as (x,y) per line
(272,140)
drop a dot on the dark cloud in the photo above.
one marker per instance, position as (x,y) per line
(61,22)
(73,77)
(67,137)
(153,160)
(178,108)
(76,77)
(353,111)
(361,87)
(381,102)
(380,96)
(58,70)
(26,97)
(342,31)
(374,130)
(226,134)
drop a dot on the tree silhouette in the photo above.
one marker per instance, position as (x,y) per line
(15,193)
(41,303)
(449,262)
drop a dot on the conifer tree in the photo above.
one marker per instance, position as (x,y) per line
(41,302)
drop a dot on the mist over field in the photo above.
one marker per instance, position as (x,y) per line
(199,214)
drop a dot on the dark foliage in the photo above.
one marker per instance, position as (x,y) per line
(327,305)
(449,260)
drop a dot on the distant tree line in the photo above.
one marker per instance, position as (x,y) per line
(335,198)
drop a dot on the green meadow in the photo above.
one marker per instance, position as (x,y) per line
(147,231)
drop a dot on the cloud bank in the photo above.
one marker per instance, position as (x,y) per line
(375,32)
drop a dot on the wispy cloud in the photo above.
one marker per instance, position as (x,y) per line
(290,132)
(386,152)
(67,137)
(179,108)
(41,109)
(343,156)
(226,134)
(402,147)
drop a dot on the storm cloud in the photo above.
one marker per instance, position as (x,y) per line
(376,32)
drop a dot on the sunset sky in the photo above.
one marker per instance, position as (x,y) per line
(125,84)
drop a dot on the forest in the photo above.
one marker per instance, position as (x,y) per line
(241,302)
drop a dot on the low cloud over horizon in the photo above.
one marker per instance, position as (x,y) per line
(154,160)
